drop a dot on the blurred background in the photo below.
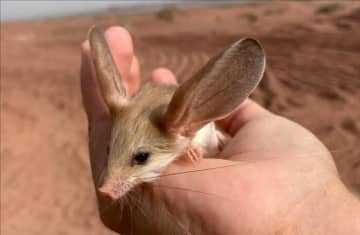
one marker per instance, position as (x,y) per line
(312,77)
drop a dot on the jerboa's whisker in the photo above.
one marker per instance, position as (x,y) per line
(192,191)
(244,162)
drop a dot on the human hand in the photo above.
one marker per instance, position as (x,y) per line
(269,178)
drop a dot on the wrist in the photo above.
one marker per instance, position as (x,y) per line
(333,210)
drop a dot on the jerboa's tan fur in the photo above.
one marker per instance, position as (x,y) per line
(139,126)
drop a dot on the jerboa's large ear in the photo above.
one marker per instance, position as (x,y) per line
(107,74)
(217,89)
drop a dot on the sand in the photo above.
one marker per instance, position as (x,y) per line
(312,78)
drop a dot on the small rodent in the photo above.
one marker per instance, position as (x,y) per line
(163,122)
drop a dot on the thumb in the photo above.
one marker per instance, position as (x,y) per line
(187,182)
(202,190)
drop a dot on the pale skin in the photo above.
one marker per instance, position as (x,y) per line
(282,180)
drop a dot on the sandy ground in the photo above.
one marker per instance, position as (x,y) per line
(312,78)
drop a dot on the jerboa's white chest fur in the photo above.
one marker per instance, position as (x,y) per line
(209,140)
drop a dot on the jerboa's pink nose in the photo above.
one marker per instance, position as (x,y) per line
(112,188)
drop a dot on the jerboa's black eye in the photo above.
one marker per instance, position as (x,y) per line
(140,158)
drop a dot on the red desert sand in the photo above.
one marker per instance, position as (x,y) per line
(312,77)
